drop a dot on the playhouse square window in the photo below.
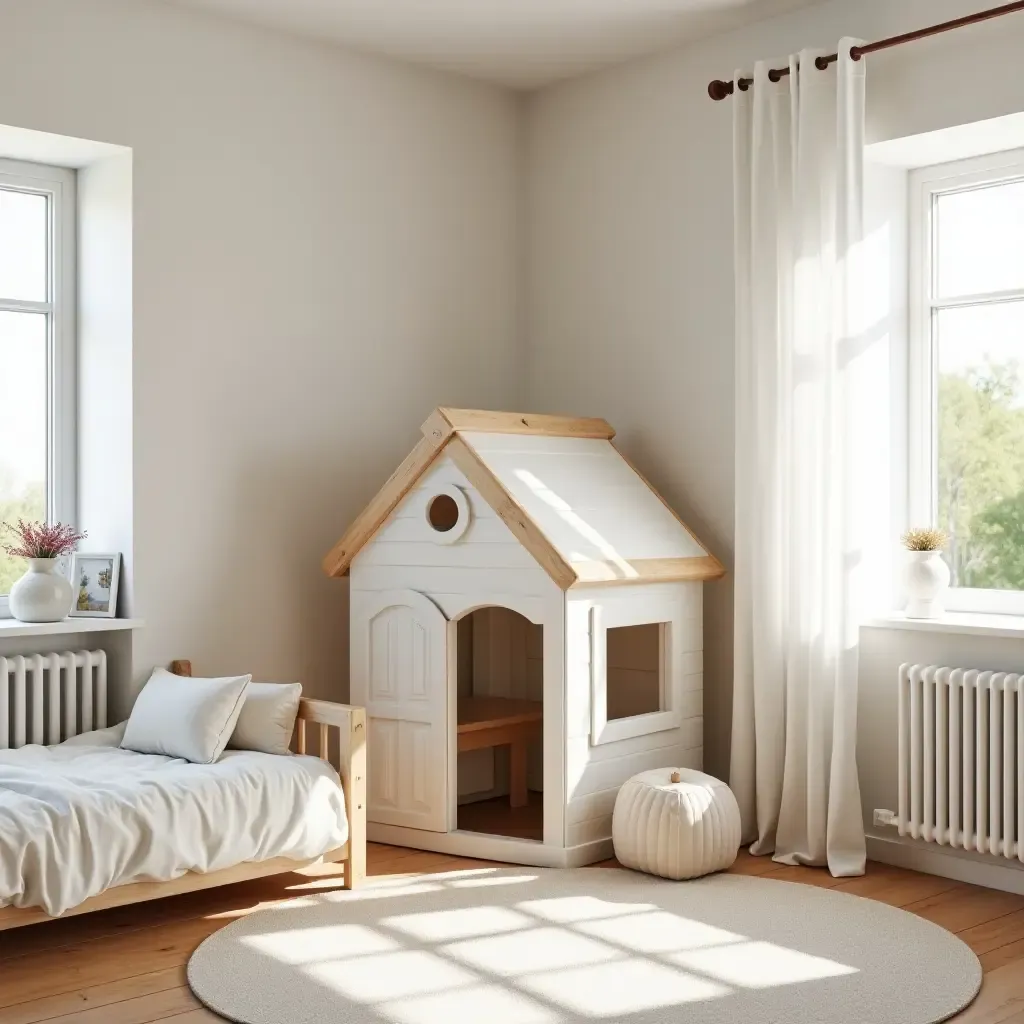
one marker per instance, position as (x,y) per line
(635,670)
(633,676)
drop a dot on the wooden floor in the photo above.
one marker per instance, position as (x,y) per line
(496,818)
(127,966)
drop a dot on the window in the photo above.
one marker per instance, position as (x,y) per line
(447,515)
(37,349)
(635,669)
(967,373)
(443,513)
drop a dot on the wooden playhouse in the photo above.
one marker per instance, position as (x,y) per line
(526,633)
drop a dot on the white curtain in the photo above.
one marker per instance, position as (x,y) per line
(801,393)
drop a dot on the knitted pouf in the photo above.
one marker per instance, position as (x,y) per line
(676,829)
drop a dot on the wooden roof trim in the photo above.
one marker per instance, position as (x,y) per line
(510,512)
(384,503)
(437,428)
(523,423)
(719,568)
(647,570)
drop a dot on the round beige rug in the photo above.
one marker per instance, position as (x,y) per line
(529,946)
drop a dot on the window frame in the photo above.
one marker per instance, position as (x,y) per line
(926,185)
(612,615)
(59,185)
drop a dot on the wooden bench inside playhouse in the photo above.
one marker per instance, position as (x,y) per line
(499,721)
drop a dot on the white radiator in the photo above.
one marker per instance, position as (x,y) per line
(47,698)
(961,758)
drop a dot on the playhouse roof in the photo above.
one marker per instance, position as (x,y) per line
(569,496)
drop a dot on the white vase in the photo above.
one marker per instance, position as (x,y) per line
(927,580)
(43,594)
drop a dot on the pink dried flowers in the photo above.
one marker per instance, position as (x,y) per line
(41,540)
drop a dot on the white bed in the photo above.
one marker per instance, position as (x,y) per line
(84,816)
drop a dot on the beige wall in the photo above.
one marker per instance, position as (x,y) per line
(630,284)
(325,247)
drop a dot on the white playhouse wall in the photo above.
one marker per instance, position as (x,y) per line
(601,756)
(487,566)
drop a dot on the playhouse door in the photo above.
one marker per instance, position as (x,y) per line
(400,674)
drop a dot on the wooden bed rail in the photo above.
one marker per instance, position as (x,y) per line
(350,723)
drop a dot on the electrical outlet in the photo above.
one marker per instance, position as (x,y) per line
(884,818)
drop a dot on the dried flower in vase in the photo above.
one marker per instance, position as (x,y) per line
(41,540)
(924,538)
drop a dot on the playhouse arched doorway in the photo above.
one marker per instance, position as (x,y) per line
(499,669)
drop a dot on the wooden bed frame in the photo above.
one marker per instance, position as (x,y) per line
(350,723)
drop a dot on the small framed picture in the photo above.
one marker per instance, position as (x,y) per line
(95,579)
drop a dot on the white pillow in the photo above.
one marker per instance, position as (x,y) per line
(184,717)
(267,718)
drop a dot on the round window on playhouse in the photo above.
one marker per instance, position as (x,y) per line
(447,514)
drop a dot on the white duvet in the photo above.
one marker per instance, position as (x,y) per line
(82,816)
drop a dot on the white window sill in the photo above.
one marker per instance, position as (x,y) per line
(12,627)
(975,623)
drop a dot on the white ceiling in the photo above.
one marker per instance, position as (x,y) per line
(520,43)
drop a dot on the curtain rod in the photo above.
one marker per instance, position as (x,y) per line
(718,89)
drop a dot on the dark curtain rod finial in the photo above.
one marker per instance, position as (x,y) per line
(718,90)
